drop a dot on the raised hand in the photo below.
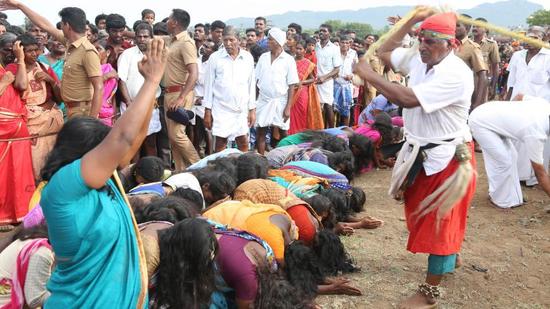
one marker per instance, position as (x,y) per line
(422,12)
(154,61)
(18,51)
(6,5)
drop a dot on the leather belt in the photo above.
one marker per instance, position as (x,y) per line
(172,89)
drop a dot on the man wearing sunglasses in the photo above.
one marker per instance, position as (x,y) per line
(438,144)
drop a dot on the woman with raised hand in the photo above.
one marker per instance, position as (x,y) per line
(92,230)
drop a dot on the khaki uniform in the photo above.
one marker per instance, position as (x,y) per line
(81,63)
(470,52)
(181,52)
(489,50)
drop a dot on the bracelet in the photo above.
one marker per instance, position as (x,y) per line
(428,290)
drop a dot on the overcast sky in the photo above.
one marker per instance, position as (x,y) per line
(208,11)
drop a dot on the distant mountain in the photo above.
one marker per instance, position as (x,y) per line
(511,13)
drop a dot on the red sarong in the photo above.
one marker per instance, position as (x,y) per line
(16,174)
(424,236)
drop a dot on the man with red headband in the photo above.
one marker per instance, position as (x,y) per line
(435,169)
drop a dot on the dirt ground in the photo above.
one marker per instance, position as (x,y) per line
(513,246)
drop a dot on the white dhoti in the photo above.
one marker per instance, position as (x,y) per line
(501,164)
(269,112)
(326,92)
(228,123)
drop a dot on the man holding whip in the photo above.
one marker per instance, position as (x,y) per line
(435,170)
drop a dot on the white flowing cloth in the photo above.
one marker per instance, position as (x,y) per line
(408,154)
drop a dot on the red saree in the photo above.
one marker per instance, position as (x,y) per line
(306,109)
(16,174)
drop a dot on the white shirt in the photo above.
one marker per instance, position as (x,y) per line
(275,77)
(444,93)
(347,66)
(530,79)
(230,83)
(328,58)
(525,121)
(199,86)
(128,71)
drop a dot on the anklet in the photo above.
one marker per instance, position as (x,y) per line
(429,290)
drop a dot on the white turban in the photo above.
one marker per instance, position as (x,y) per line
(278,35)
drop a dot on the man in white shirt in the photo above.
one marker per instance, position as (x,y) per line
(277,77)
(343,88)
(131,80)
(328,66)
(529,75)
(435,170)
(495,125)
(530,70)
(230,93)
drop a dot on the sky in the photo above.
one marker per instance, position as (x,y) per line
(208,11)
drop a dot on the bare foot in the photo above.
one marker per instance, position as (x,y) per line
(417,301)
(458,262)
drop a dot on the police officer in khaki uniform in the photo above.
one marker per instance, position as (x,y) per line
(470,52)
(491,56)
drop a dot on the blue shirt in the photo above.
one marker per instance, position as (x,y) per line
(93,237)
(378,103)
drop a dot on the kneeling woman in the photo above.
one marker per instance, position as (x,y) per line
(269,222)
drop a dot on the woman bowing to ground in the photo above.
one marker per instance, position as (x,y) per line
(92,230)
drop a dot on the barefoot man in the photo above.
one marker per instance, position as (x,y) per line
(435,171)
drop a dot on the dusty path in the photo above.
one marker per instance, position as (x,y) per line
(514,247)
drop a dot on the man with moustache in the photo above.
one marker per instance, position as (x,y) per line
(230,93)
(131,80)
(438,143)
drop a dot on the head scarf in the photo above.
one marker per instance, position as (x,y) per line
(440,26)
(278,35)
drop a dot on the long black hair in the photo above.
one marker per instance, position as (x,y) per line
(219,184)
(320,139)
(186,273)
(357,199)
(251,165)
(77,136)
(171,209)
(340,203)
(331,254)
(363,151)
(275,292)
(342,162)
(382,123)
(322,204)
(302,269)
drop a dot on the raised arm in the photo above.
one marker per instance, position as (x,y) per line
(21,82)
(99,164)
(394,41)
(34,17)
